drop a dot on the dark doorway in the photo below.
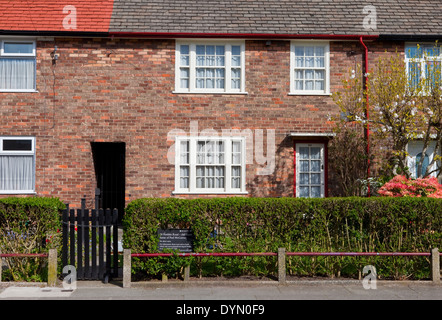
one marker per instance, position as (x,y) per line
(110,164)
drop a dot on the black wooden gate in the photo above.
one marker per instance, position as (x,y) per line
(90,242)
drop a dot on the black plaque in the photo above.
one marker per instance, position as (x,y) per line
(176,239)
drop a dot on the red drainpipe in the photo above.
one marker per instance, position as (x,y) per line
(366,111)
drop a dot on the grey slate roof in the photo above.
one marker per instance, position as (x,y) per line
(340,17)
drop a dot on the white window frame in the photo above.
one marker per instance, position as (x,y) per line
(326,46)
(422,60)
(192,67)
(19,152)
(321,172)
(192,189)
(414,147)
(32,55)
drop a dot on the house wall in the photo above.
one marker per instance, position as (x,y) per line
(108,90)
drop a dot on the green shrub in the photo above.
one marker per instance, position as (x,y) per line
(29,225)
(265,224)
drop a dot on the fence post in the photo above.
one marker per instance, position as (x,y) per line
(127,267)
(435,265)
(281,265)
(1,266)
(52,268)
(187,273)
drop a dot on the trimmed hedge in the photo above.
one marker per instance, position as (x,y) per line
(265,224)
(29,225)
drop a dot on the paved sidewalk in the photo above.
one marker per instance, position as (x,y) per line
(252,290)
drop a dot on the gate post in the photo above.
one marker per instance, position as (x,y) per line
(127,268)
(435,265)
(281,265)
(52,268)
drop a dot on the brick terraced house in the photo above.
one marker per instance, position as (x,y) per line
(184,98)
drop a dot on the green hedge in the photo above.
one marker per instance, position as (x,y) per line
(29,225)
(265,224)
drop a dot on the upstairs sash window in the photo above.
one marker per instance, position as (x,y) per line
(423,62)
(212,67)
(17,66)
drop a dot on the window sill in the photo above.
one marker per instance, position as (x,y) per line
(15,192)
(209,192)
(209,92)
(17,91)
(308,94)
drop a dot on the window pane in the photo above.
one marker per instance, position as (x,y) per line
(433,72)
(236,84)
(210,83)
(299,74)
(304,192)
(309,74)
(184,177)
(210,61)
(236,73)
(304,166)
(425,164)
(16,173)
(220,61)
(319,51)
(299,51)
(17,73)
(19,48)
(200,61)
(319,62)
(431,52)
(184,152)
(414,73)
(309,62)
(413,52)
(315,153)
(319,85)
(184,60)
(319,74)
(299,62)
(236,50)
(220,50)
(304,178)
(236,61)
(303,152)
(315,165)
(299,85)
(309,51)
(315,192)
(236,177)
(184,49)
(17,145)
(210,50)
(200,50)
(315,178)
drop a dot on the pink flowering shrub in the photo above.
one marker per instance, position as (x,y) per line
(400,186)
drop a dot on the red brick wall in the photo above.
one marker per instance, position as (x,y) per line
(122,90)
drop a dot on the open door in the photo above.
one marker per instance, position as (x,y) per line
(110,164)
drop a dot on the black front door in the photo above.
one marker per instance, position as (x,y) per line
(110,163)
